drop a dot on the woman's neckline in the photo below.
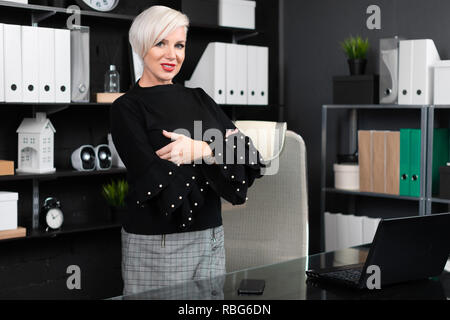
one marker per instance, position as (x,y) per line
(168,85)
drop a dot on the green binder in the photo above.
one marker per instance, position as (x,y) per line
(440,155)
(405,170)
(414,161)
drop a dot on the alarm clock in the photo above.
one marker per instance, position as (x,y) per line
(97,5)
(51,216)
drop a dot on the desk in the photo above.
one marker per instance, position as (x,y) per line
(287,281)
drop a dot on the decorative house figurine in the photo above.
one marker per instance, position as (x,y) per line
(35,145)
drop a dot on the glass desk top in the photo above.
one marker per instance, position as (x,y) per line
(288,281)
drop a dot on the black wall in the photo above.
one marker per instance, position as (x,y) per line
(36,267)
(312,32)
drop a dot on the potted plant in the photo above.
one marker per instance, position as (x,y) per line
(115,193)
(356,50)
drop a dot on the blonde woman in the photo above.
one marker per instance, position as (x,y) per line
(173,229)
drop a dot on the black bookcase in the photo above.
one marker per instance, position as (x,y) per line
(35,266)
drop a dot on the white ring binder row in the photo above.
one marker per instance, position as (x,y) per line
(35,64)
(415,81)
(412,73)
(233,74)
(343,231)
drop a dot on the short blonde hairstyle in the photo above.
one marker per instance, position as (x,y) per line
(152,25)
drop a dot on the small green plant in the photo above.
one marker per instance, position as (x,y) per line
(355,47)
(115,193)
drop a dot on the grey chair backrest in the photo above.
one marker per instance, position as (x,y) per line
(272,226)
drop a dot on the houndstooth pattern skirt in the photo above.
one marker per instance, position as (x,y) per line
(155,261)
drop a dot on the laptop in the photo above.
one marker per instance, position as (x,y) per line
(404,249)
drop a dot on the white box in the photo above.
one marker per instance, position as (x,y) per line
(346,176)
(8,210)
(237,13)
(442,82)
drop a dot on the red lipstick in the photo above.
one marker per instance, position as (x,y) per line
(168,66)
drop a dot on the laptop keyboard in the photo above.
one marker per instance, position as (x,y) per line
(351,275)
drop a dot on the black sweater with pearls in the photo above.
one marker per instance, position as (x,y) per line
(165,197)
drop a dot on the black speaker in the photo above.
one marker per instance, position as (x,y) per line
(83,159)
(103,157)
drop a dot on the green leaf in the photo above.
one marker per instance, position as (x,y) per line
(115,192)
(355,47)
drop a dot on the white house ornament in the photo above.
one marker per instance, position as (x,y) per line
(36,145)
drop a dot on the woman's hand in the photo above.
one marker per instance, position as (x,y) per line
(183,150)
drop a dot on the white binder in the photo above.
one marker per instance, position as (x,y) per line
(258,74)
(210,72)
(30,64)
(441,82)
(12,62)
(416,72)
(79,64)
(62,65)
(2,70)
(236,74)
(241,62)
(252,75)
(370,226)
(232,74)
(355,230)
(330,231)
(263,75)
(343,236)
(46,54)
(405,72)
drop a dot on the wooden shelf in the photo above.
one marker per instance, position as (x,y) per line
(38,9)
(61,174)
(69,229)
(371,194)
(51,108)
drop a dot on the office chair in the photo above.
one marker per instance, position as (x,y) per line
(272,226)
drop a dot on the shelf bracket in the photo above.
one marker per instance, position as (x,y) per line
(353,131)
(37,17)
(35,217)
(237,38)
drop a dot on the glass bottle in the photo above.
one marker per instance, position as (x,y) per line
(112,80)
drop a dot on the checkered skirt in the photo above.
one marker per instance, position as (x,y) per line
(156,261)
